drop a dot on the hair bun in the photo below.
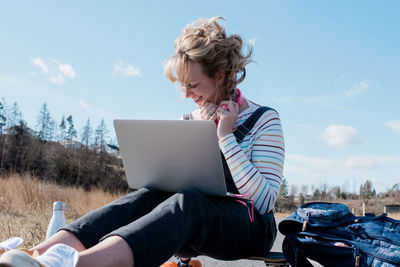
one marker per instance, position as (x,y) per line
(205,41)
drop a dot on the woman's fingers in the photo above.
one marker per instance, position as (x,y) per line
(230,106)
(210,111)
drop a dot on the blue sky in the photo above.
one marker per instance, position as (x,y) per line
(331,69)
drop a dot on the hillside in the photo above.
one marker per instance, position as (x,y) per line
(65,163)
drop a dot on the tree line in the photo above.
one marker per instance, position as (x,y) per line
(53,151)
(291,196)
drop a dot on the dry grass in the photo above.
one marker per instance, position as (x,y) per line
(26,206)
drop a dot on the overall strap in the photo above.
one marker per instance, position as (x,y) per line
(239,133)
(246,126)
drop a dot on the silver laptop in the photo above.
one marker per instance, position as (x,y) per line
(171,155)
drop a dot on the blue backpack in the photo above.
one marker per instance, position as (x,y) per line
(331,235)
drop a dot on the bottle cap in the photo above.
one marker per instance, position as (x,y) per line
(59,205)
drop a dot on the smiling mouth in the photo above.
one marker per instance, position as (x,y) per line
(197,100)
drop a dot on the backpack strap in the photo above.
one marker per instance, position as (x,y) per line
(246,126)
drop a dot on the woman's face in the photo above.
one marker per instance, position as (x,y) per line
(199,86)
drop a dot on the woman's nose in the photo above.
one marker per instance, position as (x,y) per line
(188,93)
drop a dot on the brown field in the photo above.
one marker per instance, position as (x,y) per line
(26,206)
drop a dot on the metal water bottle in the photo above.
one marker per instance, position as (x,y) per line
(57,220)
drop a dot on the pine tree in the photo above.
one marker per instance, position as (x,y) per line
(86,134)
(44,123)
(51,130)
(316,194)
(15,118)
(62,128)
(71,132)
(284,191)
(101,135)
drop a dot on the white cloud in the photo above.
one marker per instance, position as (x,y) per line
(394,125)
(56,72)
(340,135)
(366,162)
(57,78)
(41,64)
(303,164)
(67,70)
(84,104)
(358,89)
(125,69)
(308,170)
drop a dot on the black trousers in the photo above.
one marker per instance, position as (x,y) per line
(159,224)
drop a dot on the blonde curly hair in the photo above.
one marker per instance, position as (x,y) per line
(204,41)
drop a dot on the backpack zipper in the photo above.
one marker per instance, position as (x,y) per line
(303,229)
(357,257)
(379,257)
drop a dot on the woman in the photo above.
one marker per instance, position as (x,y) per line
(147,227)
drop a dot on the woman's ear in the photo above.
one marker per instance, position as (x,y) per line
(220,77)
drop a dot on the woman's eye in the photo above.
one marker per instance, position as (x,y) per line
(192,85)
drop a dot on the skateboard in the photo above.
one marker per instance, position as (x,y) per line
(272,259)
(191,263)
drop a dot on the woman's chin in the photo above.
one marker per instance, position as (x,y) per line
(199,102)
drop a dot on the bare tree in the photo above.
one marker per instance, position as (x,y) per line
(3,115)
(345,189)
(304,189)
(324,191)
(3,123)
(366,191)
(294,190)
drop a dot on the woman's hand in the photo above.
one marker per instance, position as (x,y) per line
(226,118)
(208,111)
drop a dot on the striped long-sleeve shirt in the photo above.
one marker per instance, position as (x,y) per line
(256,163)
